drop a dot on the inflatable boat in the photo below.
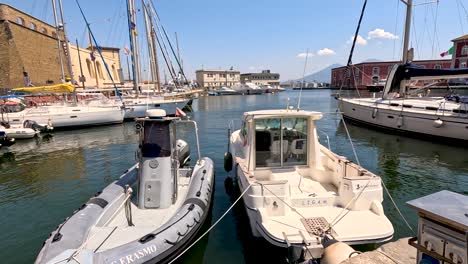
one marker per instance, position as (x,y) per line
(150,225)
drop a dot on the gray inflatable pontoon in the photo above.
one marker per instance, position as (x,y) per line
(152,225)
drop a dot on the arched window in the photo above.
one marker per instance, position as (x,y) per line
(464,50)
(99,70)
(44,30)
(32,26)
(54,34)
(91,72)
(114,72)
(20,21)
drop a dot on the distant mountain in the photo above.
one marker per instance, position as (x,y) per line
(323,75)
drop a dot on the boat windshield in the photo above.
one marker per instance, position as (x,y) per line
(157,140)
(280,142)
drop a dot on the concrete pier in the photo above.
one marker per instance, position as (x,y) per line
(394,252)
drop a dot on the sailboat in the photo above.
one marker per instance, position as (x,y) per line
(407,111)
(152,224)
(298,192)
(137,104)
(63,115)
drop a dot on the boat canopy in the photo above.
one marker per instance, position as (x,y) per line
(415,72)
(57,88)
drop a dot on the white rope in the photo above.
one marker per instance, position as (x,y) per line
(396,207)
(211,227)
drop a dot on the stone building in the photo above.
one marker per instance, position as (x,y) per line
(28,46)
(261,78)
(211,79)
(369,73)
(460,53)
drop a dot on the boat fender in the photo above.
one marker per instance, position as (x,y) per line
(228,161)
(335,251)
(400,121)
(438,123)
(374,113)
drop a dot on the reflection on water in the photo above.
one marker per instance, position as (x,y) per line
(43,180)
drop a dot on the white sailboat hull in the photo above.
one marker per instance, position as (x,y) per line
(134,110)
(454,126)
(63,116)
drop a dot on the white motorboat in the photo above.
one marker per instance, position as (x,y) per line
(300,191)
(247,89)
(61,116)
(226,91)
(137,106)
(153,224)
(27,129)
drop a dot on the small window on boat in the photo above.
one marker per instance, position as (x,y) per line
(432,108)
(157,140)
(281,142)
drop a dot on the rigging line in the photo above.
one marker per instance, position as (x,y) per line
(415,35)
(350,141)
(211,227)
(396,20)
(459,17)
(170,44)
(100,53)
(356,34)
(303,80)
(164,57)
(435,28)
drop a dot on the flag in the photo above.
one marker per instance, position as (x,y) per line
(448,52)
(179,112)
(126,50)
(93,58)
(133,27)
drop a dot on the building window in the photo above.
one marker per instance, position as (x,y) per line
(375,71)
(437,66)
(99,70)
(464,50)
(114,72)
(223,75)
(20,21)
(463,64)
(209,75)
(375,79)
(54,34)
(33,26)
(90,68)
(44,31)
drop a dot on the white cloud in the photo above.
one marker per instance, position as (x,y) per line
(359,41)
(379,33)
(326,52)
(305,54)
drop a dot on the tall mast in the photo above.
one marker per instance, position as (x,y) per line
(67,45)
(93,59)
(133,43)
(81,78)
(155,52)
(178,51)
(408,4)
(57,28)
(148,39)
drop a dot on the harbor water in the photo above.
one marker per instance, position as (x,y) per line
(44,180)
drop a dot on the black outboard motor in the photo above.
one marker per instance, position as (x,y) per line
(34,125)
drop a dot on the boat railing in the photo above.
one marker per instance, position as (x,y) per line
(326,136)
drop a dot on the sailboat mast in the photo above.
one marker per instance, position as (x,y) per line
(407,30)
(93,59)
(408,4)
(67,45)
(81,78)
(155,52)
(57,28)
(133,43)
(148,39)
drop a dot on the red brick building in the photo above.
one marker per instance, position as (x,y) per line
(368,73)
(460,52)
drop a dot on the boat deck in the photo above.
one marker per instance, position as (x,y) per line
(117,232)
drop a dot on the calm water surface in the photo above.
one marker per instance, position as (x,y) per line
(43,181)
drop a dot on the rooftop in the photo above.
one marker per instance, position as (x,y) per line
(285,113)
(394,62)
(217,71)
(464,37)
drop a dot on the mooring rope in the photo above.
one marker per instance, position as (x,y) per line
(212,226)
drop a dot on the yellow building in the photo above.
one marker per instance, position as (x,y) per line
(29,54)
(211,79)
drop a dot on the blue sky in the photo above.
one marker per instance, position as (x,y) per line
(259,34)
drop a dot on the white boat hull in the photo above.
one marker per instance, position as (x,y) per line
(20,133)
(62,117)
(420,122)
(134,110)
